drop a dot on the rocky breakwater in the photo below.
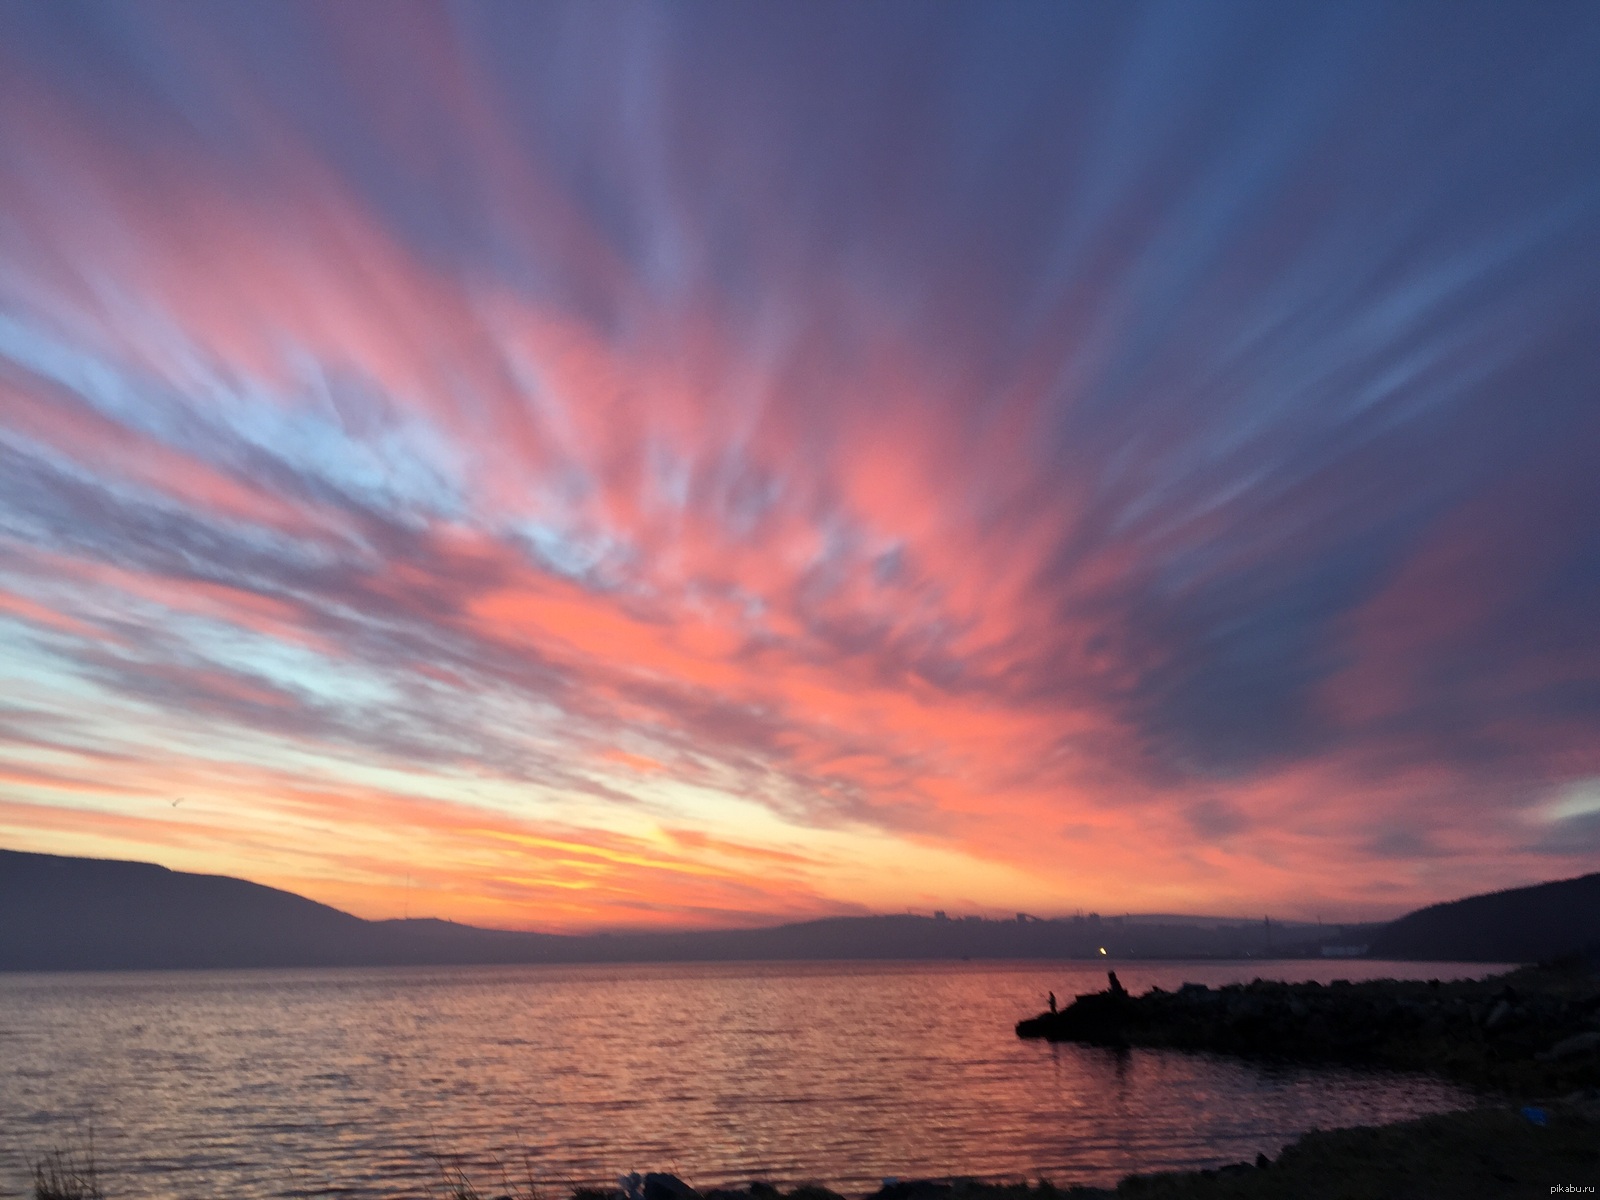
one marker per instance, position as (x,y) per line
(1532,1032)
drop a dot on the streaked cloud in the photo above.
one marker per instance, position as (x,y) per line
(638,465)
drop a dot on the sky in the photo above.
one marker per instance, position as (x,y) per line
(590,465)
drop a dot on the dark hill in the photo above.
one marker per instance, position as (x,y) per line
(59,913)
(1529,924)
(63,913)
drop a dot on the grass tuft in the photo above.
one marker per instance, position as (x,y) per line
(458,1185)
(61,1175)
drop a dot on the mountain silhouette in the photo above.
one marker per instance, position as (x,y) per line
(1526,924)
(62,913)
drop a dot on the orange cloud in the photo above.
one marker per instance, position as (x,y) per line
(578,589)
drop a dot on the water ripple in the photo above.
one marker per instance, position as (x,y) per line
(259,1084)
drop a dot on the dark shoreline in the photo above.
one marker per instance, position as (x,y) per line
(1534,1031)
(1493,1152)
(1530,1037)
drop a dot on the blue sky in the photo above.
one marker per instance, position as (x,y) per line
(697,464)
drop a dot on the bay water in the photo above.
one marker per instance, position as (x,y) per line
(379,1082)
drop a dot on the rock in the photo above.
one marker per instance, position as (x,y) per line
(1101,1017)
(913,1189)
(1578,1043)
(813,1191)
(1481,1032)
(658,1185)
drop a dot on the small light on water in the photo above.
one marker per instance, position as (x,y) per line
(1102,949)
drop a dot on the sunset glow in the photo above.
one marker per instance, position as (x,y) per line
(576,466)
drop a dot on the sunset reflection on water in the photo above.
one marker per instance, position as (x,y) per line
(255,1084)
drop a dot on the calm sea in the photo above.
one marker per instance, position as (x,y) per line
(253,1084)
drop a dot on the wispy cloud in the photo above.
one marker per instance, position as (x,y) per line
(707,465)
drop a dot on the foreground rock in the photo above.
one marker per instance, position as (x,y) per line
(662,1186)
(1533,1032)
(1491,1153)
(1481,1154)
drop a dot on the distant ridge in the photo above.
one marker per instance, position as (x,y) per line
(59,913)
(1527,924)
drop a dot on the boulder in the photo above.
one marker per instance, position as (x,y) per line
(658,1185)
(1578,1043)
